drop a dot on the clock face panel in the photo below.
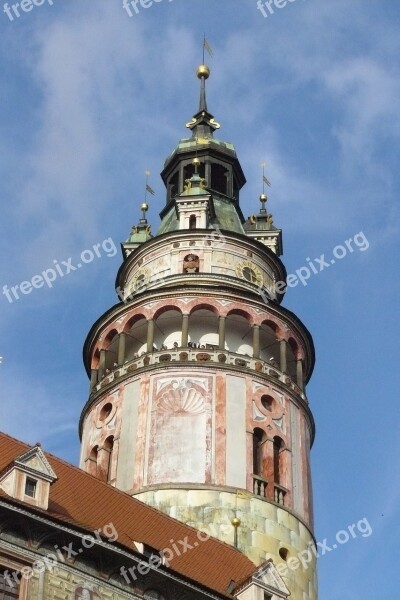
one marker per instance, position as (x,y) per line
(250,272)
(140,281)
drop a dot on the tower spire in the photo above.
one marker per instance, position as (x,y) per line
(203,123)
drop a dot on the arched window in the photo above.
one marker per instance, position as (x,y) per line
(173,186)
(167,329)
(203,328)
(111,345)
(258,439)
(192,222)
(278,445)
(108,447)
(92,461)
(136,340)
(239,334)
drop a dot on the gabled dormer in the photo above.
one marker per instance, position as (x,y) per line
(195,206)
(28,478)
(265,584)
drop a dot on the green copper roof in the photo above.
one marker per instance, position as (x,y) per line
(226,218)
(188,144)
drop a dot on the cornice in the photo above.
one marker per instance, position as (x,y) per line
(164,367)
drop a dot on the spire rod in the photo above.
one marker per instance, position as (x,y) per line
(147,190)
(203,73)
(265,181)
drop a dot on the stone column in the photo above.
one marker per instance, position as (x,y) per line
(283,355)
(185,331)
(93,378)
(102,363)
(299,369)
(150,335)
(221,331)
(121,348)
(256,341)
(207,173)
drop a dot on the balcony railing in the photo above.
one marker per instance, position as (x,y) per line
(209,354)
(260,486)
(279,494)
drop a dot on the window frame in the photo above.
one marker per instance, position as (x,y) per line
(13,566)
(34,483)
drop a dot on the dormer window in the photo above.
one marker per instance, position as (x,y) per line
(265,583)
(30,487)
(28,478)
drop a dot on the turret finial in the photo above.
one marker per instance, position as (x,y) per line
(203,123)
(203,73)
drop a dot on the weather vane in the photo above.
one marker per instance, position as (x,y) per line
(148,189)
(207,48)
(266,181)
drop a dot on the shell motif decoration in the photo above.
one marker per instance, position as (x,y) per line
(182,401)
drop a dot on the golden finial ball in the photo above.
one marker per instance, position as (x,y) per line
(145,207)
(196,161)
(263,198)
(236,522)
(203,71)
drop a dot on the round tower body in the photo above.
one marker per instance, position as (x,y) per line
(198,404)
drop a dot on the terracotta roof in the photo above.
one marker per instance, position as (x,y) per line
(81,500)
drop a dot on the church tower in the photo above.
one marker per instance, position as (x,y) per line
(197,401)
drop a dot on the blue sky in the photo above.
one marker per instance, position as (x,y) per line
(91,98)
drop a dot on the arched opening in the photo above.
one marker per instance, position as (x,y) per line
(284,553)
(203,329)
(189,170)
(269,344)
(168,330)
(136,337)
(111,345)
(278,447)
(219,178)
(96,359)
(93,461)
(108,447)
(239,334)
(258,439)
(192,222)
(173,186)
